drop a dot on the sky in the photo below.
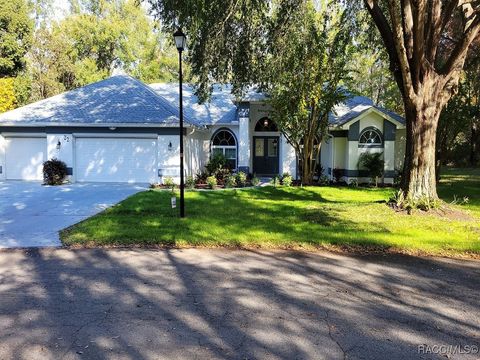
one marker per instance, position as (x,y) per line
(60,9)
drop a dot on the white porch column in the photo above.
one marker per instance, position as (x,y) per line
(244,138)
(288,158)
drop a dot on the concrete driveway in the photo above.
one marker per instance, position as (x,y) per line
(32,214)
(220,304)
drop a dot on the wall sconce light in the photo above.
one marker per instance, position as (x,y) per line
(59,145)
(265,122)
(170,146)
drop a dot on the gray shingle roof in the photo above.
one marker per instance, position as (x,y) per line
(353,107)
(118,99)
(219,109)
(123,99)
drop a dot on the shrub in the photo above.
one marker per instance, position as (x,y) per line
(222,174)
(255,181)
(217,162)
(168,182)
(241,178)
(201,177)
(373,163)
(399,200)
(397,179)
(324,180)
(190,182)
(212,182)
(287,179)
(275,180)
(231,181)
(353,183)
(337,175)
(318,170)
(54,172)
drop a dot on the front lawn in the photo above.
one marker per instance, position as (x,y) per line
(270,217)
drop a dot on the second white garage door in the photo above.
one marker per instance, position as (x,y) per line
(116,160)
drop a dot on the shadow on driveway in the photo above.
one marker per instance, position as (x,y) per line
(32,214)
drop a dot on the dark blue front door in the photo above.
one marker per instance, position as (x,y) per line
(265,155)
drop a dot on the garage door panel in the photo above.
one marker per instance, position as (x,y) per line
(24,158)
(116,160)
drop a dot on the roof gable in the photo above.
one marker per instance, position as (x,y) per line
(356,106)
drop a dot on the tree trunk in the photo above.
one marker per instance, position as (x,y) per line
(307,172)
(419,179)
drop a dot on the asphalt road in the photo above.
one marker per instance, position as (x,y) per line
(220,304)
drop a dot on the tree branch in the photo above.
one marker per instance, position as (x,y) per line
(407,22)
(418,41)
(401,51)
(459,53)
(432,35)
(387,36)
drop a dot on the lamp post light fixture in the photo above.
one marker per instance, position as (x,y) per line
(180,42)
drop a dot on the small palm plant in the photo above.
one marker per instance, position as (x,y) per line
(373,163)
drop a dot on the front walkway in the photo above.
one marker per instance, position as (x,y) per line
(220,304)
(32,214)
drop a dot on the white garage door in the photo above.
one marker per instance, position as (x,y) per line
(116,160)
(24,158)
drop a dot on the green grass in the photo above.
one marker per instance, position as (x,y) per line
(307,217)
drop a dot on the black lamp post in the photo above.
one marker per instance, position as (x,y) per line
(180,41)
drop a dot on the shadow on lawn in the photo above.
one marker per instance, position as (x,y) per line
(141,304)
(232,219)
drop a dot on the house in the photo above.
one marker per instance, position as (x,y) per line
(121,130)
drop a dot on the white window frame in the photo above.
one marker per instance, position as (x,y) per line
(366,144)
(225,147)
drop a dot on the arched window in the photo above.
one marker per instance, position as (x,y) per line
(266,124)
(223,142)
(370,137)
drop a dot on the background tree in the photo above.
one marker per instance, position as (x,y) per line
(91,41)
(15,36)
(227,40)
(7,94)
(369,69)
(308,52)
(426,71)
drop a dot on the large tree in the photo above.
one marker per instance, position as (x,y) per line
(15,35)
(303,74)
(426,71)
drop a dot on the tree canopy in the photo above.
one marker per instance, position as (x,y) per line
(15,36)
(307,60)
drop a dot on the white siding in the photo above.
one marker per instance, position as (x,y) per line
(340,155)
(288,158)
(400,139)
(196,154)
(169,158)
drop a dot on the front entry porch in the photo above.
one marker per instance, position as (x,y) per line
(265,155)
